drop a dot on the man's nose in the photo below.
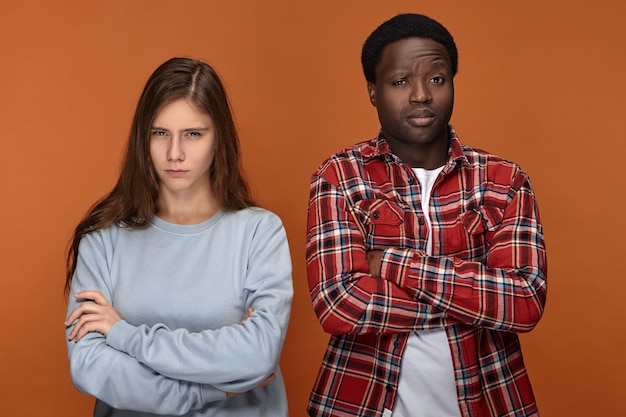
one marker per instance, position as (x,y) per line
(420,92)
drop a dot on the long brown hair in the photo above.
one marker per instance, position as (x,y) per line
(132,202)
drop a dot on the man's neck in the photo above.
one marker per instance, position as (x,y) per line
(427,156)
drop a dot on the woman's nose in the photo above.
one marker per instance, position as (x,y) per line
(175,150)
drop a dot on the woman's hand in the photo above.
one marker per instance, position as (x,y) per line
(267,380)
(95,314)
(248,314)
(262,384)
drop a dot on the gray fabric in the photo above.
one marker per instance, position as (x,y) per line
(183,291)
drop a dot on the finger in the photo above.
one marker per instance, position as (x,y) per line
(267,380)
(77,313)
(82,309)
(87,327)
(91,295)
(248,314)
(95,296)
(87,323)
(74,315)
(77,326)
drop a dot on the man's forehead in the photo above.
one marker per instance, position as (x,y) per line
(409,49)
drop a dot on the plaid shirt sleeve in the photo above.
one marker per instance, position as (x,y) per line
(484,280)
(507,292)
(345,297)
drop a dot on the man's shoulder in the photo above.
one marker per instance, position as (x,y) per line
(351,156)
(354,153)
(494,168)
(477,157)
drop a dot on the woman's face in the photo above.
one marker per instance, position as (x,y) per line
(182,145)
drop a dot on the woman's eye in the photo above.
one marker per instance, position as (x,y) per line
(193,134)
(159,133)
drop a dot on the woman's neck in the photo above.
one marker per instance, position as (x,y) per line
(180,210)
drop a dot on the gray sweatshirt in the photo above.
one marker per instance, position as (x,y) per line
(183,291)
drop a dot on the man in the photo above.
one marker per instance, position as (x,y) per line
(425,257)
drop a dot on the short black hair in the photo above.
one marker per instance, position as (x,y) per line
(404,26)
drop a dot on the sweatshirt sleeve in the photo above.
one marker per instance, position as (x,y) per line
(233,358)
(113,376)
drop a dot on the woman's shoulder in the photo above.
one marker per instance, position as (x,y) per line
(109,233)
(100,241)
(255,215)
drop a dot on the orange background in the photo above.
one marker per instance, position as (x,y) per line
(540,82)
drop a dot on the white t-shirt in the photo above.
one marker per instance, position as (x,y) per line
(427,386)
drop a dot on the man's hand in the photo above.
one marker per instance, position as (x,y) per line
(95,314)
(374,261)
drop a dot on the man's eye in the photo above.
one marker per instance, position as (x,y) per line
(399,82)
(437,80)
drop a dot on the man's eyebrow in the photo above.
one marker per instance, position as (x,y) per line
(440,63)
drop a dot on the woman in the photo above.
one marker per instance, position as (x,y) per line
(181,288)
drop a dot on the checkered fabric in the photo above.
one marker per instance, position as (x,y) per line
(485,281)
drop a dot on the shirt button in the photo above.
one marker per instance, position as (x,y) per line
(396,343)
(376,214)
(410,180)
(420,220)
(389,388)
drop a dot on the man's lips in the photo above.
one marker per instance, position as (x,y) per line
(421,118)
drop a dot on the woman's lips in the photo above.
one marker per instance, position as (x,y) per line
(176,173)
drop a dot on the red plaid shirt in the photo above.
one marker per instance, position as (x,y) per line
(485,281)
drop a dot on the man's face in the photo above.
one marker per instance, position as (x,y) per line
(413,93)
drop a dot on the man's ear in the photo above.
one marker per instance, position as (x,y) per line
(371,91)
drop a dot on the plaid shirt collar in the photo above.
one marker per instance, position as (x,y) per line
(379,147)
